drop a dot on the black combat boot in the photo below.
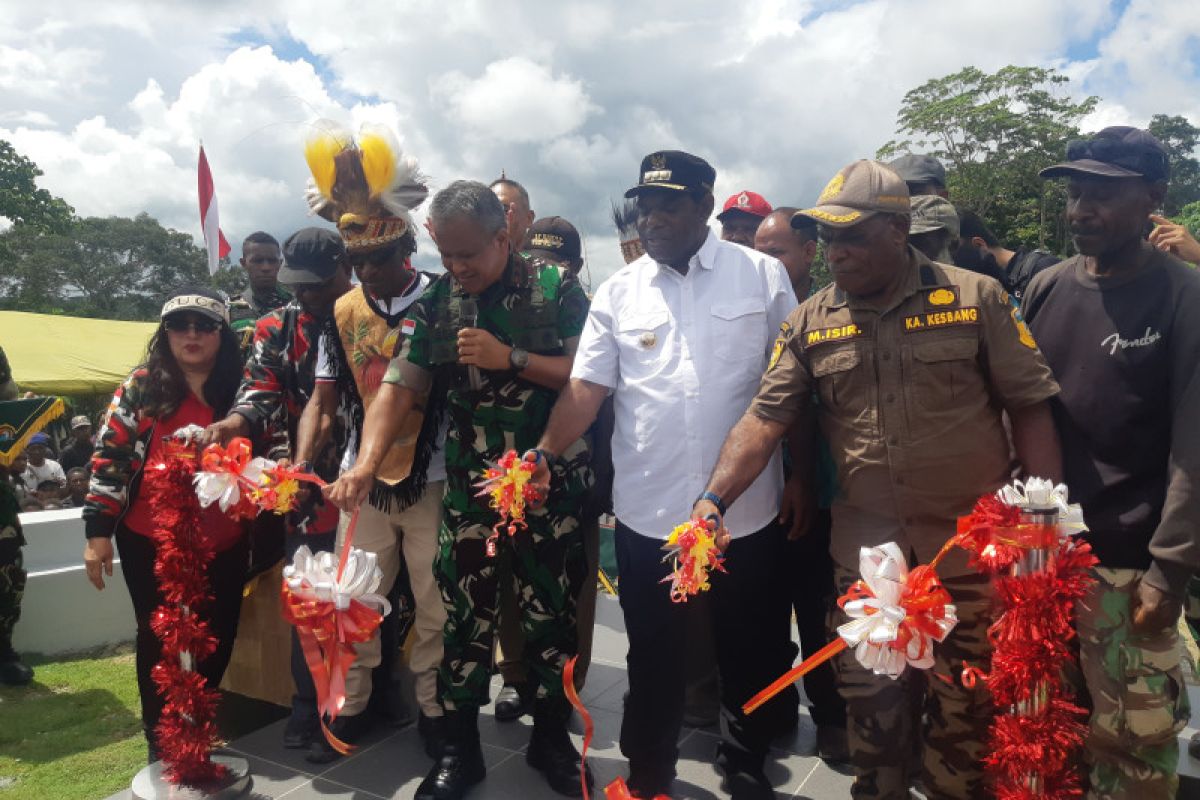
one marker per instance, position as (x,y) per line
(550,750)
(461,764)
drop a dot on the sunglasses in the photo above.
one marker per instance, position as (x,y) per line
(1136,158)
(183,325)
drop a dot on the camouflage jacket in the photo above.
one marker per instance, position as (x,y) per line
(120,450)
(279,375)
(535,306)
(246,308)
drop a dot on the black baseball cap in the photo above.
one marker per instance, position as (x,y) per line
(1119,151)
(311,255)
(917,168)
(555,239)
(674,170)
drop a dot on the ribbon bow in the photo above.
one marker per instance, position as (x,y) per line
(332,613)
(242,486)
(507,484)
(692,550)
(895,615)
(994,535)
(223,475)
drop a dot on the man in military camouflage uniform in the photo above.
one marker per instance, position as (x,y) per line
(12,571)
(493,341)
(899,352)
(261,258)
(12,584)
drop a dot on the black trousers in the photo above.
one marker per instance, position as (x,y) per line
(304,701)
(226,575)
(750,621)
(810,584)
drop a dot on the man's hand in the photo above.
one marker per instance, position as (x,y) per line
(1174,239)
(706,511)
(98,559)
(349,491)
(540,479)
(1154,610)
(798,508)
(228,428)
(478,348)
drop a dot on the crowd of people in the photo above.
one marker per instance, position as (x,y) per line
(710,378)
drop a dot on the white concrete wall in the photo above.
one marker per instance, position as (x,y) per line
(62,611)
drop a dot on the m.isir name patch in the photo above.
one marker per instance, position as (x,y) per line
(836,334)
(942,319)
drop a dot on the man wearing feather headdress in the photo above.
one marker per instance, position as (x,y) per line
(368,188)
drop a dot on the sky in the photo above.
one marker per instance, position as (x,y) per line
(111,99)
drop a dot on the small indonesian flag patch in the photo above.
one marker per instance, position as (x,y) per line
(408,327)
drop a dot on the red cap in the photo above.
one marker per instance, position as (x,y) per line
(746,202)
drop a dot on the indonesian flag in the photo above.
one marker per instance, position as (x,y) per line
(210,222)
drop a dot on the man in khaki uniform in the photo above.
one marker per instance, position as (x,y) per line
(912,364)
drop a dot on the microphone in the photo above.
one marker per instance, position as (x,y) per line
(470,318)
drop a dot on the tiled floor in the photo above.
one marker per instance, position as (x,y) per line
(390,763)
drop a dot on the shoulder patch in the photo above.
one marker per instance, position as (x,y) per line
(1023,332)
(942,319)
(780,342)
(815,336)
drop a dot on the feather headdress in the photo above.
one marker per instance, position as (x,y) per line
(366,186)
(625,218)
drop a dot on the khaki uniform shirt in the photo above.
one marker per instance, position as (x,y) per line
(910,395)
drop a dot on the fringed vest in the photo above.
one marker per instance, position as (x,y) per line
(368,340)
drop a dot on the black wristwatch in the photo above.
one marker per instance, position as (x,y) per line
(713,498)
(518,358)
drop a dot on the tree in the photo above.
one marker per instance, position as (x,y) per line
(21,201)
(994,132)
(1180,137)
(112,268)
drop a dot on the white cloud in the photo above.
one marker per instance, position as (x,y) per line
(110,99)
(515,100)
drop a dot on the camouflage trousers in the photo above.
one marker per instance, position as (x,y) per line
(918,727)
(548,563)
(1139,701)
(12,589)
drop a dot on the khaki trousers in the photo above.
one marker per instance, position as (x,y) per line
(412,532)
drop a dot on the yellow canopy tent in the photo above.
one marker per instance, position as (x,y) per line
(57,355)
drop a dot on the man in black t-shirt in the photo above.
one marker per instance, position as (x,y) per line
(1120,326)
(979,250)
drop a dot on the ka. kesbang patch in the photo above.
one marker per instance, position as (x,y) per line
(941,319)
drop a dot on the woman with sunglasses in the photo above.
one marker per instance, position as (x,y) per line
(190,376)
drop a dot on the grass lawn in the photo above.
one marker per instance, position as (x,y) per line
(74,733)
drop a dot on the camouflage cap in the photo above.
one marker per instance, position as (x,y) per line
(930,213)
(859,191)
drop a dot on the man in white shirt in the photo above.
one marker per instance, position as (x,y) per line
(681,337)
(40,468)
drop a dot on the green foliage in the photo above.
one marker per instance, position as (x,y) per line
(21,201)
(1180,137)
(110,268)
(75,732)
(994,132)
(230,278)
(1189,217)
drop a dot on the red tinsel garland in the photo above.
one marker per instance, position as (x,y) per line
(187,731)
(1031,647)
